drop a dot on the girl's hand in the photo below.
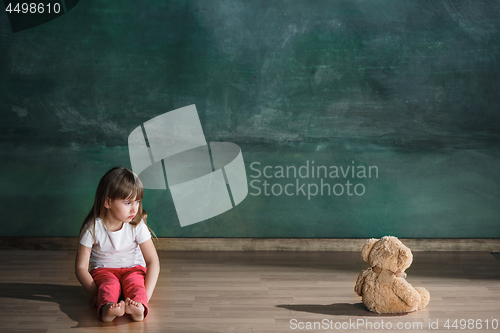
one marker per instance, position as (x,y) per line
(82,270)
(152,264)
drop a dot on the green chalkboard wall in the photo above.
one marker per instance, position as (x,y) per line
(408,90)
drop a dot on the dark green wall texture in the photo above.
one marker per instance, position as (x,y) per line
(408,88)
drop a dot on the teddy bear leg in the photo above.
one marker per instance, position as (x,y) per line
(424,297)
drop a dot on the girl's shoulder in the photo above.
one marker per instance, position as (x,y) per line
(142,232)
(92,225)
(99,227)
(99,223)
(140,225)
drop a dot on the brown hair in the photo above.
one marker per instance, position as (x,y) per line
(117,184)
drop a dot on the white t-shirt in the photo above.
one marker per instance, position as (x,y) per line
(116,249)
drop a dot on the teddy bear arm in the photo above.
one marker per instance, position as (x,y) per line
(406,292)
(358,288)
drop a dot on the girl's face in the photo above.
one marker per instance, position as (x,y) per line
(121,210)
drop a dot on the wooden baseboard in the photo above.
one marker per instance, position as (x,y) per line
(260,244)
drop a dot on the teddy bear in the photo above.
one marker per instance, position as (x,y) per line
(383,285)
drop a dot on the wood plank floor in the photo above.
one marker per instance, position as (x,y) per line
(250,292)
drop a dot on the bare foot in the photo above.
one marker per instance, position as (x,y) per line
(135,309)
(112,310)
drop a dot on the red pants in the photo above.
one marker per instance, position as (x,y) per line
(111,282)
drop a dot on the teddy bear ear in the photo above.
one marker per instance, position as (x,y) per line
(367,248)
(405,257)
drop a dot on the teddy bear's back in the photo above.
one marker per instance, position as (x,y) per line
(379,295)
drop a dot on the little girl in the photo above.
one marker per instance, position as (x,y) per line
(116,240)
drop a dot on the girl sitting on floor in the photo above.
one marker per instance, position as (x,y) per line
(116,241)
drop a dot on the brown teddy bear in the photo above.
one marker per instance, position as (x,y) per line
(383,285)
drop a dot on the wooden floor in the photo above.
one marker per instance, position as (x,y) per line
(250,292)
